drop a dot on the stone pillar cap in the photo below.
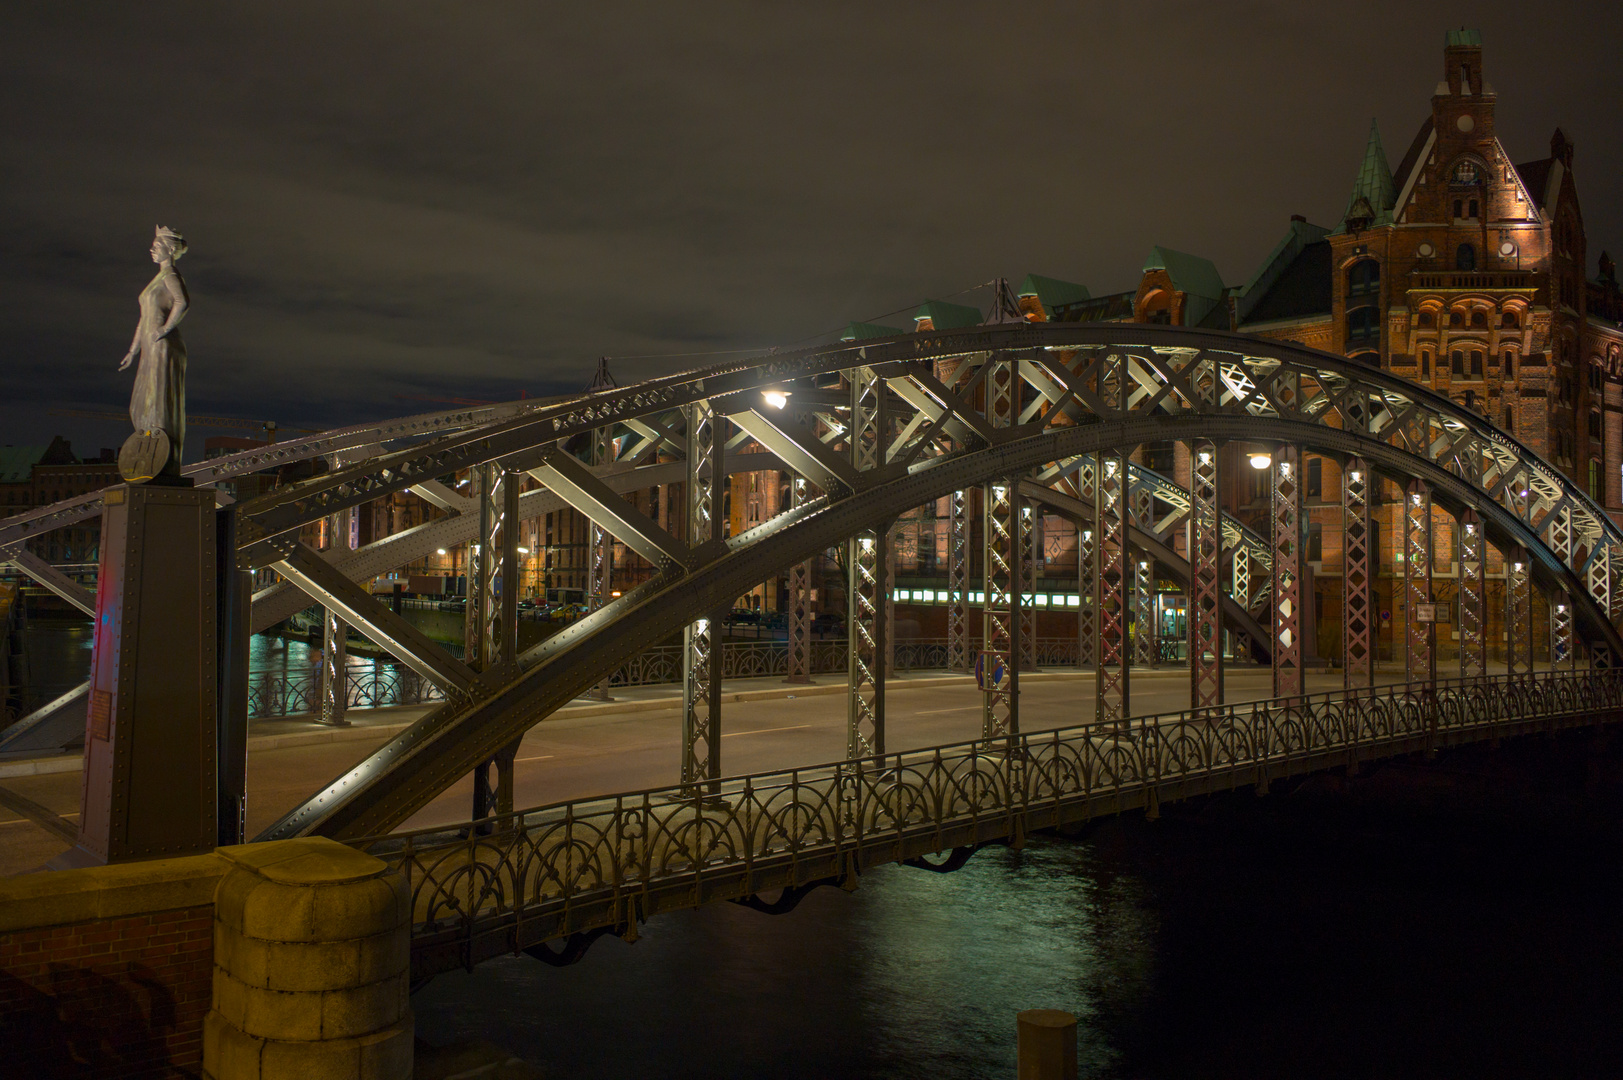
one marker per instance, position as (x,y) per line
(313,860)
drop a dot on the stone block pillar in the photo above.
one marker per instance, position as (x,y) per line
(312,966)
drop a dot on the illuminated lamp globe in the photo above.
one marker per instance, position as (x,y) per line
(1261,461)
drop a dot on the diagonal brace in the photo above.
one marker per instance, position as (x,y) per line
(799,449)
(572,482)
(51,578)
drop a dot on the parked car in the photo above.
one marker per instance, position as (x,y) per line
(744,615)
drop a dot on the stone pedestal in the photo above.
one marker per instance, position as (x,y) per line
(150,785)
(312,966)
(1047,1045)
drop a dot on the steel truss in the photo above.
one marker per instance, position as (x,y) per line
(1357,575)
(600,571)
(867,632)
(958,651)
(334,669)
(1113,668)
(1420,661)
(1473,598)
(701,653)
(1087,566)
(1000,612)
(1240,589)
(1030,545)
(1144,629)
(798,617)
(1287,570)
(1518,611)
(480,617)
(1205,548)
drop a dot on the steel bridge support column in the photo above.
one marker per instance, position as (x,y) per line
(1145,650)
(701,653)
(600,559)
(797,620)
(1563,652)
(1087,614)
(867,631)
(1357,576)
(1473,600)
(1029,544)
(481,615)
(958,658)
(1113,585)
(1240,589)
(889,593)
(1000,614)
(334,669)
(1420,661)
(1205,577)
(1518,612)
(1286,549)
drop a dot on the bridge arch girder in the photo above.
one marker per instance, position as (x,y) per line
(409,771)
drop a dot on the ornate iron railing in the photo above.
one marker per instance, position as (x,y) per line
(509,883)
(280,693)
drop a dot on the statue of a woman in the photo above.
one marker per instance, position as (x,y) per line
(158,403)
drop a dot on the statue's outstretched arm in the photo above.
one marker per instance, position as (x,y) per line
(177,311)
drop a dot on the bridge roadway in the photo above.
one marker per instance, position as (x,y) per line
(630,744)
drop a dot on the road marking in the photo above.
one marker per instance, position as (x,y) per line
(932,712)
(768,730)
(538,757)
(20,820)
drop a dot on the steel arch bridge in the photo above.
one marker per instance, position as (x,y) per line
(1011,416)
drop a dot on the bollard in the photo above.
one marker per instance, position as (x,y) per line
(1047,1045)
(312,957)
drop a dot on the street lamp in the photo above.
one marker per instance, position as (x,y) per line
(1261,460)
(776,398)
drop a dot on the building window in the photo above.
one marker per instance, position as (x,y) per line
(1476,363)
(1595,491)
(1456,360)
(1427,320)
(1315,543)
(1465,257)
(1594,425)
(1459,205)
(1455,318)
(1363,324)
(1464,173)
(1471,211)
(1508,320)
(1425,364)
(1479,318)
(1315,476)
(1364,278)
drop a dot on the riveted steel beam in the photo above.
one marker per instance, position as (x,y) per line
(43,573)
(325,584)
(958,650)
(1357,575)
(1000,611)
(701,651)
(1420,660)
(609,512)
(1473,598)
(1286,520)
(1205,612)
(798,447)
(1113,591)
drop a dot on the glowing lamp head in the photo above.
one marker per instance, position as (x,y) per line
(1261,461)
(775,398)
(442,551)
(523,551)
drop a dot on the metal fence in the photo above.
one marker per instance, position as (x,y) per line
(503,884)
(287,693)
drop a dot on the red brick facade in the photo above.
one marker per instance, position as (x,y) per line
(118,997)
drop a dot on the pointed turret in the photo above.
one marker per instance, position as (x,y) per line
(1373,193)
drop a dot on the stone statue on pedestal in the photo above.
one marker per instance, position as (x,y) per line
(158,404)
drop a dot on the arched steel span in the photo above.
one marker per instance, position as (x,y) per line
(444,746)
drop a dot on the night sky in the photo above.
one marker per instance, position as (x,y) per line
(473,199)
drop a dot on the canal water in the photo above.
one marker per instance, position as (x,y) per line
(1452,919)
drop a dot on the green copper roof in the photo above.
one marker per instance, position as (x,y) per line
(1052,293)
(17,463)
(1466,37)
(1298,236)
(1373,194)
(861,331)
(1189,273)
(945,316)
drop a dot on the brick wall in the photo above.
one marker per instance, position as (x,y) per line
(115,997)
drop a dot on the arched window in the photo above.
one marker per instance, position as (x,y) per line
(1465,257)
(1364,278)
(1508,320)
(1456,361)
(1425,363)
(1363,324)
(1476,363)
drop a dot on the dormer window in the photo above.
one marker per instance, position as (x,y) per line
(1508,320)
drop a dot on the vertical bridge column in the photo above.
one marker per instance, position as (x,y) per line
(334,637)
(1205,578)
(958,658)
(1419,661)
(1518,612)
(1145,651)
(1287,571)
(797,621)
(1357,577)
(1240,589)
(1113,666)
(1030,541)
(1564,543)
(701,651)
(1000,613)
(1087,569)
(600,559)
(867,584)
(1473,606)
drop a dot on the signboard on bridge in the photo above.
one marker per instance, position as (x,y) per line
(991,671)
(1430,613)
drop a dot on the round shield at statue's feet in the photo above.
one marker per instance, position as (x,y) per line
(144,456)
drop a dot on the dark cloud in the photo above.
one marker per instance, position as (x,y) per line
(470,199)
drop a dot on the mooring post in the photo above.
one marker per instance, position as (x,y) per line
(1047,1045)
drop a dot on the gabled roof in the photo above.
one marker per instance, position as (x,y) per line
(17,463)
(861,331)
(1536,179)
(1411,160)
(1192,275)
(1464,37)
(945,316)
(1278,263)
(1052,293)
(1300,289)
(1373,193)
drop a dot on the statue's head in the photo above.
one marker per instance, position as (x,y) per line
(167,244)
